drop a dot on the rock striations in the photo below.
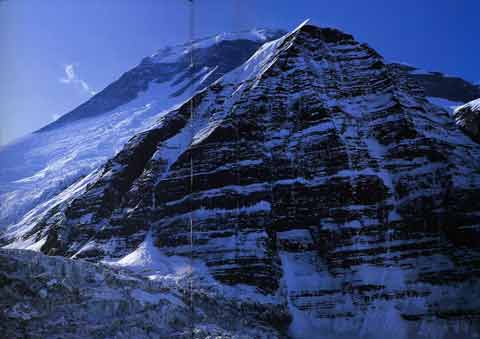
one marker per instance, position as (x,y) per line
(314,177)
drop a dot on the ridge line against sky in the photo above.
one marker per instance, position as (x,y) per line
(89,44)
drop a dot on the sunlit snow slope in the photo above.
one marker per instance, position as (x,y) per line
(40,165)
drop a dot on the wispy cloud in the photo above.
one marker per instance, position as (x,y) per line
(71,77)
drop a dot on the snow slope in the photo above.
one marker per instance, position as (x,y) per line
(474,105)
(38,166)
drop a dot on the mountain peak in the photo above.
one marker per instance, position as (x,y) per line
(326,34)
(310,175)
(171,53)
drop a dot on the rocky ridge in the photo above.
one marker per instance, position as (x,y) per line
(468,118)
(439,85)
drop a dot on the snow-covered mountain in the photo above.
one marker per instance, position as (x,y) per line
(39,166)
(315,190)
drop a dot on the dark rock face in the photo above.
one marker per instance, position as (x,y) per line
(436,84)
(315,173)
(468,118)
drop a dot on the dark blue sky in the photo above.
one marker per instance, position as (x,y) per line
(102,39)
